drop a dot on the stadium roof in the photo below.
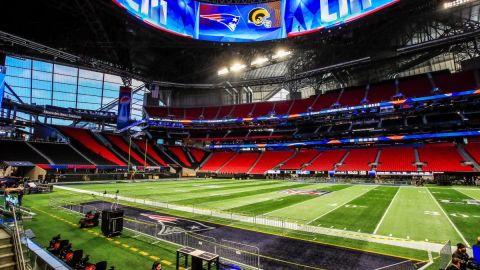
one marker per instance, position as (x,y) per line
(99,29)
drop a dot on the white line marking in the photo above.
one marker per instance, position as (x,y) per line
(386,211)
(449,220)
(367,190)
(388,266)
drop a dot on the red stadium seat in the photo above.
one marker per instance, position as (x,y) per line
(122,145)
(397,159)
(442,157)
(352,96)
(241,163)
(326,160)
(359,160)
(216,161)
(269,160)
(85,138)
(301,158)
(180,154)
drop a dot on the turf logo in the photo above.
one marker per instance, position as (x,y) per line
(305,192)
(171,225)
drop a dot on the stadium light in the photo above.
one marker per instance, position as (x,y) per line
(259,61)
(237,67)
(455,3)
(281,54)
(223,71)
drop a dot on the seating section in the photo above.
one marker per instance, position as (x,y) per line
(301,158)
(60,153)
(269,160)
(119,142)
(352,97)
(216,161)
(397,159)
(84,139)
(359,160)
(241,163)
(416,86)
(150,149)
(179,153)
(473,149)
(19,151)
(442,157)
(326,160)
(197,154)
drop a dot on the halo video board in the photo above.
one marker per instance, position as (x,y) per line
(249,22)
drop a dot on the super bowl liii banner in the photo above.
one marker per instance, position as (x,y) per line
(124,106)
(2,83)
(249,22)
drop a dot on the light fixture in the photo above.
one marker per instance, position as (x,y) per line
(259,61)
(456,3)
(237,67)
(281,54)
(223,71)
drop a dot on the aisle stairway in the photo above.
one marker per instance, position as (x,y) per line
(7,255)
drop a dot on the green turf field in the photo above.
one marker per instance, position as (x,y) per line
(405,212)
(425,214)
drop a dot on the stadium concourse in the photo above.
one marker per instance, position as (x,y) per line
(240,134)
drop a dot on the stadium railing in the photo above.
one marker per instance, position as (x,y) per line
(238,253)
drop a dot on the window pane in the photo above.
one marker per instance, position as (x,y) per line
(59,69)
(64,96)
(42,85)
(37,93)
(113,79)
(89,99)
(18,72)
(17,62)
(40,101)
(61,87)
(65,104)
(90,83)
(65,79)
(111,86)
(88,106)
(89,91)
(112,94)
(91,75)
(14,81)
(40,75)
(42,66)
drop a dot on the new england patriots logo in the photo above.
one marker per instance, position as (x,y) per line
(171,225)
(229,20)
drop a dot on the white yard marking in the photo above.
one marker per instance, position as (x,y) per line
(335,208)
(385,213)
(448,218)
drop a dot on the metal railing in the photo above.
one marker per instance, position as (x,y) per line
(245,255)
(17,231)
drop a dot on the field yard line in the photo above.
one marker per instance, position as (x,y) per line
(449,220)
(386,211)
(322,185)
(468,195)
(361,194)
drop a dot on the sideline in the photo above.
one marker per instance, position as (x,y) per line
(412,244)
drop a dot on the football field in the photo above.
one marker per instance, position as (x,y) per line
(427,214)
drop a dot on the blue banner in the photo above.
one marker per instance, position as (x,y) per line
(2,83)
(124,107)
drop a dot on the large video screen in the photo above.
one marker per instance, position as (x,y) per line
(175,16)
(306,16)
(240,23)
(249,22)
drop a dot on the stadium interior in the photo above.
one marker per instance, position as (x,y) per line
(240,134)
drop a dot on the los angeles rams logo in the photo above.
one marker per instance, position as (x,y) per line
(260,16)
